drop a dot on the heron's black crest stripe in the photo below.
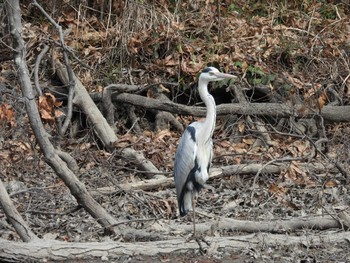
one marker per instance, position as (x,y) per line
(192,132)
(206,70)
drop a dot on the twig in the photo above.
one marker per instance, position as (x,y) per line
(281,160)
(107,104)
(29,190)
(36,69)
(132,169)
(134,119)
(68,159)
(317,150)
(22,228)
(133,220)
(119,88)
(218,6)
(109,14)
(67,212)
(70,51)
(62,129)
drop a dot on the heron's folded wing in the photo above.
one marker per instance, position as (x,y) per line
(184,158)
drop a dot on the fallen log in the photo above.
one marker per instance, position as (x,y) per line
(36,251)
(216,172)
(272,226)
(328,112)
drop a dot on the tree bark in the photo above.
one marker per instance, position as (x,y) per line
(100,124)
(82,99)
(329,113)
(55,250)
(271,226)
(219,172)
(14,217)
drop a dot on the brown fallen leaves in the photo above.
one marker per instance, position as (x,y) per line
(48,108)
(7,115)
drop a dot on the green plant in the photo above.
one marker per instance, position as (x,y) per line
(328,11)
(255,75)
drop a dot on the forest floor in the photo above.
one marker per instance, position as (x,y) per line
(299,52)
(53,213)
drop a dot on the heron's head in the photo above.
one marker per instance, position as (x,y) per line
(213,74)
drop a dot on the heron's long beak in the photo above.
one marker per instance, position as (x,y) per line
(224,75)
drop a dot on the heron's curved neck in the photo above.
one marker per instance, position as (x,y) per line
(209,102)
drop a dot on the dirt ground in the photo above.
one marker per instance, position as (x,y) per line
(53,213)
(295,55)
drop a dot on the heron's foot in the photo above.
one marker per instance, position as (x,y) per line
(200,240)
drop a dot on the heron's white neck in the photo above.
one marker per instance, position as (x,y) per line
(209,102)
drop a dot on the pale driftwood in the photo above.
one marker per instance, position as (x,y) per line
(254,168)
(329,113)
(82,100)
(141,162)
(100,124)
(164,117)
(271,226)
(22,228)
(76,187)
(36,69)
(150,184)
(107,98)
(217,172)
(264,136)
(55,250)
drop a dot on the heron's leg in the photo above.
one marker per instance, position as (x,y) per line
(194,215)
(194,236)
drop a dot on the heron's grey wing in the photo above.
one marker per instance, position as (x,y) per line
(184,159)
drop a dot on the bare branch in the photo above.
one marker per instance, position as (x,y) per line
(99,123)
(330,113)
(82,100)
(14,217)
(216,172)
(36,69)
(71,82)
(77,188)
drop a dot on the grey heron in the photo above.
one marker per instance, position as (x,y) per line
(195,150)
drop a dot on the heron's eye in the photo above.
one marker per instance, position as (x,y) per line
(211,73)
